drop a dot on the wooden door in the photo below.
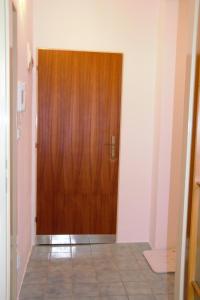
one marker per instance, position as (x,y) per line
(79,95)
(193,276)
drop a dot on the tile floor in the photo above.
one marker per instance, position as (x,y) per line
(94,272)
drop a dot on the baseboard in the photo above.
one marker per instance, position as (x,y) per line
(24,272)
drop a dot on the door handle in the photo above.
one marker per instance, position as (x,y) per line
(198,182)
(196,288)
(112,145)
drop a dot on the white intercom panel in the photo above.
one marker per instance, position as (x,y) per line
(21,101)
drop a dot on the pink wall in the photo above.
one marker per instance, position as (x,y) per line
(163,120)
(24,13)
(174,62)
(181,103)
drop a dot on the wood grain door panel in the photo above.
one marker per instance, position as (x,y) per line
(78,112)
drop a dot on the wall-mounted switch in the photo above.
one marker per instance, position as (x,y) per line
(21,100)
(18,133)
(18,262)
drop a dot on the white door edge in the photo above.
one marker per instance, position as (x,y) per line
(4,154)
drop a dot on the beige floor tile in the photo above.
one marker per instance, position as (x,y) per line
(108,276)
(162,287)
(85,289)
(58,289)
(142,297)
(165,297)
(34,291)
(94,272)
(127,276)
(112,289)
(35,277)
(84,276)
(137,288)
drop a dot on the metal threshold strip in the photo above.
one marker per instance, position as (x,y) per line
(77,239)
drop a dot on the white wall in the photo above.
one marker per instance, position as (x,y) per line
(119,26)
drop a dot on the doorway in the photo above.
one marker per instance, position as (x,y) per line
(79,99)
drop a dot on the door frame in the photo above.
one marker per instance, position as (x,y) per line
(4,152)
(13,149)
(193,215)
(182,242)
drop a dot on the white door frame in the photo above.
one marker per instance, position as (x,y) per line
(182,244)
(4,153)
(13,150)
